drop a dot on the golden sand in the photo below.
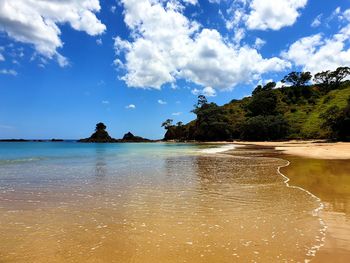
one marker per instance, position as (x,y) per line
(311,149)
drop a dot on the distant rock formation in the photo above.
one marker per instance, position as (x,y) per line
(129,137)
(56,140)
(100,135)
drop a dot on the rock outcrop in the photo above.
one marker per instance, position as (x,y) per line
(129,137)
(100,135)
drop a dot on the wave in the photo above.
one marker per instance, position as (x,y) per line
(316,213)
(23,160)
(220,149)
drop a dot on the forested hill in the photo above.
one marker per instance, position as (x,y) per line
(295,111)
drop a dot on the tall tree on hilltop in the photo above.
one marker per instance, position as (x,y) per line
(100,126)
(167,124)
(297,79)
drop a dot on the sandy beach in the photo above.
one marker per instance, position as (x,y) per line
(309,149)
(323,169)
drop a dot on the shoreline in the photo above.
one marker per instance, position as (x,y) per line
(317,212)
(308,149)
(330,242)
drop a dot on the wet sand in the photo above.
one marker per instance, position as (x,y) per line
(310,149)
(328,178)
(163,209)
(330,181)
(194,208)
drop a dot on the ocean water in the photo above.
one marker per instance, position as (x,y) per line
(149,203)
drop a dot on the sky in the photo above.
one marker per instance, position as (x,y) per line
(66,65)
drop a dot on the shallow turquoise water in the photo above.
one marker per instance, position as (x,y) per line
(148,203)
(31,151)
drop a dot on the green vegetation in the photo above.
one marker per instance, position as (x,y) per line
(298,111)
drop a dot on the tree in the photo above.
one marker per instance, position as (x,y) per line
(260,88)
(340,74)
(329,78)
(338,122)
(263,128)
(297,79)
(167,124)
(202,100)
(263,103)
(211,123)
(100,127)
(270,86)
(179,124)
(324,78)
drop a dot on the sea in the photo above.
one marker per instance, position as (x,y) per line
(152,203)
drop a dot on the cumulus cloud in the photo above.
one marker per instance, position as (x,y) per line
(207,91)
(162,102)
(37,22)
(130,106)
(259,43)
(167,46)
(317,52)
(272,14)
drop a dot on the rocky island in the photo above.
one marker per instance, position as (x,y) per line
(101,136)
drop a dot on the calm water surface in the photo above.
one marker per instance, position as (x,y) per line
(149,203)
(329,180)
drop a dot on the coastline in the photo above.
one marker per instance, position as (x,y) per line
(332,243)
(309,149)
(320,240)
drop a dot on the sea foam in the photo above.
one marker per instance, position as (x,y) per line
(219,149)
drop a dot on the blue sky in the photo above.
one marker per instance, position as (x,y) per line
(66,65)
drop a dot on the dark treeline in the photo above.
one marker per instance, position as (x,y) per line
(297,110)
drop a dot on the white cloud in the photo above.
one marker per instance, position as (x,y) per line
(272,14)
(2,58)
(317,21)
(130,106)
(318,53)
(113,8)
(8,72)
(167,46)
(162,102)
(196,91)
(207,91)
(346,15)
(192,2)
(176,113)
(37,22)
(99,41)
(259,43)
(105,102)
